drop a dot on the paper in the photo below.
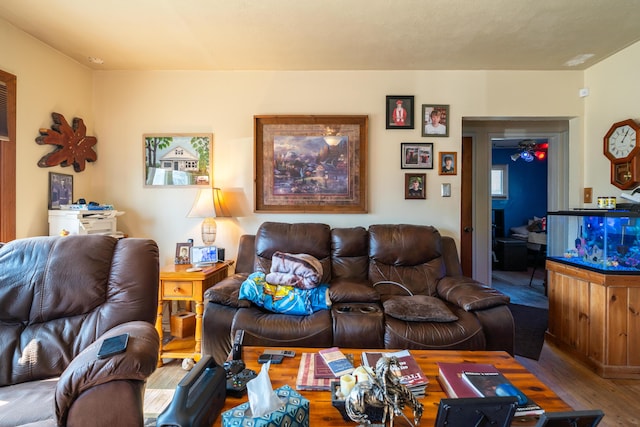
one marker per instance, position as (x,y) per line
(262,399)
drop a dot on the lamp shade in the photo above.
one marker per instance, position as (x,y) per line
(209,204)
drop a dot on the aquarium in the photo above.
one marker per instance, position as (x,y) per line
(601,240)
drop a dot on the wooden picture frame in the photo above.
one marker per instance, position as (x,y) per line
(178,159)
(183,253)
(416,155)
(435,120)
(311,164)
(415,186)
(400,112)
(448,169)
(60,190)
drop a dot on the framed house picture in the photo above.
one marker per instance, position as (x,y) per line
(311,164)
(400,112)
(415,186)
(178,160)
(415,155)
(60,190)
(448,163)
(435,120)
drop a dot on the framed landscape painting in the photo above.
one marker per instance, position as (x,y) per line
(311,164)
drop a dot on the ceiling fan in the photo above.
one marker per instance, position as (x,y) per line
(529,149)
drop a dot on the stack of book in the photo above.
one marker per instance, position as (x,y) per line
(318,370)
(479,380)
(410,373)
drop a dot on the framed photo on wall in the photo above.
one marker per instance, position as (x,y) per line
(178,160)
(416,155)
(435,120)
(400,112)
(60,190)
(448,164)
(415,186)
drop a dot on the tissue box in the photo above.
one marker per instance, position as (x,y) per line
(294,413)
(183,324)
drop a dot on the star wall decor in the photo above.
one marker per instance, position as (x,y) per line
(73,146)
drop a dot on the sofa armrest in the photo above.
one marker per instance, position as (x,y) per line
(469,294)
(86,370)
(227,290)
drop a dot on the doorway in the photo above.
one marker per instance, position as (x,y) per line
(476,242)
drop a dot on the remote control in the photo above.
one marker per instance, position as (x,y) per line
(285,353)
(237,345)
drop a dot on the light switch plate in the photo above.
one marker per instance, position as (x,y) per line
(588,195)
(445,190)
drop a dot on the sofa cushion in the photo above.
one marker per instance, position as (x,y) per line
(418,308)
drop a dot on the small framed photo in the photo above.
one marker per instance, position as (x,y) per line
(203,255)
(435,120)
(400,112)
(415,155)
(415,186)
(183,253)
(448,163)
(60,190)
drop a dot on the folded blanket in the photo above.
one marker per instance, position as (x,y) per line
(299,270)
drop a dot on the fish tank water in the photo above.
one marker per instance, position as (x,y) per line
(606,241)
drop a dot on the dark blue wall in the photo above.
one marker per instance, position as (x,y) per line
(527,189)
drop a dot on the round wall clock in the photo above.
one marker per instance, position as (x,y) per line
(622,148)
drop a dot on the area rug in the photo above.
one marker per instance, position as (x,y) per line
(531,324)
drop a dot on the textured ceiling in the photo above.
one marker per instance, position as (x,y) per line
(330,34)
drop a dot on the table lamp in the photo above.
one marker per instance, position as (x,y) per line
(208,205)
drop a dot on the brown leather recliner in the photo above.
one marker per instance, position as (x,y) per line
(374,275)
(60,297)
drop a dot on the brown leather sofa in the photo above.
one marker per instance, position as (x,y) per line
(371,273)
(60,297)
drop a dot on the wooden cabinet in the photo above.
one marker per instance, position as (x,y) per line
(596,317)
(178,284)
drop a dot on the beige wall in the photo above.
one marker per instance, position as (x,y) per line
(119,107)
(46,82)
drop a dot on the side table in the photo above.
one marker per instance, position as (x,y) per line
(178,284)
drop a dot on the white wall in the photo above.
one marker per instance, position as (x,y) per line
(129,104)
(46,82)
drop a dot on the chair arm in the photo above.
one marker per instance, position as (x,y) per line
(469,294)
(86,370)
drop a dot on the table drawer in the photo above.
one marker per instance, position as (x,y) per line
(177,289)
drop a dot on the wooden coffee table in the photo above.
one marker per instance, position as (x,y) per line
(322,413)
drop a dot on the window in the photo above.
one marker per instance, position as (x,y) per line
(500,181)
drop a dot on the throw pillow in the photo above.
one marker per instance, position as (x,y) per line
(418,308)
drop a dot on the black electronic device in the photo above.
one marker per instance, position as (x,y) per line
(236,352)
(273,358)
(285,353)
(586,418)
(198,399)
(113,345)
(237,384)
(476,411)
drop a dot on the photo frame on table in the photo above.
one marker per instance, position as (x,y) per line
(178,159)
(400,112)
(415,185)
(495,411)
(416,155)
(311,164)
(60,190)
(183,253)
(435,120)
(448,163)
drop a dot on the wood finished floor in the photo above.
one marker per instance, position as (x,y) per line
(575,383)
